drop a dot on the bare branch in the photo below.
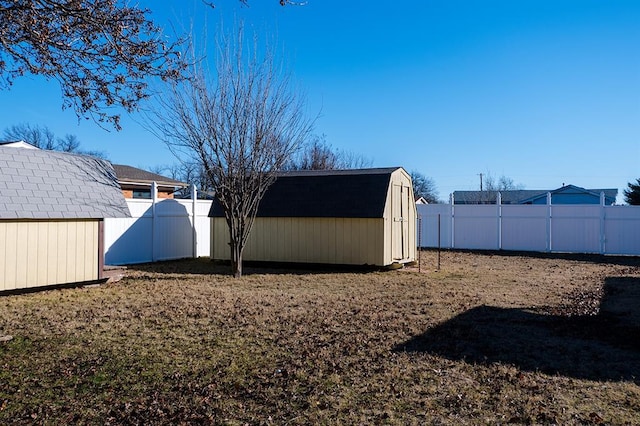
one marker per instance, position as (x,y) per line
(317,154)
(101,52)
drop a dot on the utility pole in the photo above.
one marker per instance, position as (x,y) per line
(480,182)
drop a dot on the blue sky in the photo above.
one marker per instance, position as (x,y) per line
(545,92)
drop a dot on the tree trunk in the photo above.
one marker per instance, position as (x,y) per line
(236,259)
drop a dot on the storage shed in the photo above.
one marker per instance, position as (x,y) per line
(52,207)
(352,217)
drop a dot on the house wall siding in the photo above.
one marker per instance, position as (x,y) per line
(569,198)
(39,253)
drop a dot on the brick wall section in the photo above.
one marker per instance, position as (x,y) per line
(128,193)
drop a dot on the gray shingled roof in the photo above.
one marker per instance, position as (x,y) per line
(133,174)
(39,184)
(360,193)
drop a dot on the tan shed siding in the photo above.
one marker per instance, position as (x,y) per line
(219,239)
(307,240)
(40,253)
(388,221)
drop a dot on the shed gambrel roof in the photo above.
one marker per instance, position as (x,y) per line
(359,193)
(39,184)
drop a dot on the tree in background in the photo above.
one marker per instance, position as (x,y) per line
(632,194)
(317,154)
(38,136)
(490,187)
(425,187)
(190,172)
(99,51)
(241,124)
(43,138)
(503,183)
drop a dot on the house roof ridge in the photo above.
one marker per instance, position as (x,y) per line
(126,173)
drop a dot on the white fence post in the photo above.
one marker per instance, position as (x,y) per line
(453,221)
(194,232)
(154,201)
(603,237)
(549,224)
(499,203)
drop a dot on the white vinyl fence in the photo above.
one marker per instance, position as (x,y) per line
(544,228)
(159,229)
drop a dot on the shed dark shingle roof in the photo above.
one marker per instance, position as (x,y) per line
(38,184)
(360,193)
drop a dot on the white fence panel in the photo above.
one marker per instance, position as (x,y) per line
(476,227)
(525,227)
(622,230)
(203,228)
(429,214)
(126,240)
(556,228)
(161,230)
(173,230)
(575,228)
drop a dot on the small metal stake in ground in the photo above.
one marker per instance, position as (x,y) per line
(438,241)
(419,243)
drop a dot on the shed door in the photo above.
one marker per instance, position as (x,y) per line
(400,196)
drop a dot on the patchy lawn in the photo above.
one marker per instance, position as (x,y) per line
(487,339)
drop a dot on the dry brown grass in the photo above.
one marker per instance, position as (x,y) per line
(490,338)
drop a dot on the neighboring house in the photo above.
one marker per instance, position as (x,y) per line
(421,200)
(52,210)
(568,194)
(136,183)
(354,217)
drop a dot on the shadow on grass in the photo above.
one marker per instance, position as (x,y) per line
(206,266)
(598,259)
(603,347)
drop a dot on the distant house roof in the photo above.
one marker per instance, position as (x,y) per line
(128,174)
(39,184)
(526,196)
(360,193)
(18,144)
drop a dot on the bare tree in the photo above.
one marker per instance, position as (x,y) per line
(38,136)
(241,124)
(503,183)
(43,138)
(425,187)
(317,154)
(190,172)
(69,143)
(99,51)
(492,186)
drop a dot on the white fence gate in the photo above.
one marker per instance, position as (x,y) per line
(159,229)
(551,228)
